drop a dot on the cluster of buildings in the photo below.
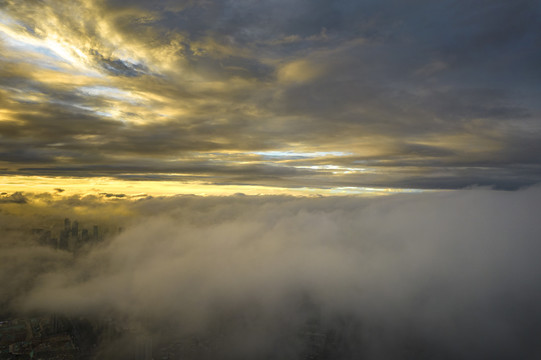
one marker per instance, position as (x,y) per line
(36,338)
(60,338)
(53,337)
(70,238)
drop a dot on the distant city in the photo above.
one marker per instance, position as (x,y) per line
(54,336)
(70,237)
(61,337)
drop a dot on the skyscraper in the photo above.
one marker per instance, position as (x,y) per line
(75,229)
(84,236)
(67,224)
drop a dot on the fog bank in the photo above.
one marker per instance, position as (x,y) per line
(442,275)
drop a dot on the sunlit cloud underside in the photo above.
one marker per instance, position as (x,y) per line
(134,189)
(294,97)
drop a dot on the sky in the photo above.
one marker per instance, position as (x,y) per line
(269,97)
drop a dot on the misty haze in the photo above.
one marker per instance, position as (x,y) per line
(451,275)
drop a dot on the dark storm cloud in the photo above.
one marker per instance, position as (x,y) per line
(445,275)
(440,86)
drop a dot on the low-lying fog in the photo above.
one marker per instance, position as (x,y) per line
(451,275)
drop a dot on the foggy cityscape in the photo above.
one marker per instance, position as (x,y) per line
(274,277)
(270,180)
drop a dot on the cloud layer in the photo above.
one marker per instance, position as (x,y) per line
(447,275)
(421,95)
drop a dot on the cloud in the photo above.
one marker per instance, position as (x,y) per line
(450,274)
(17,198)
(93,84)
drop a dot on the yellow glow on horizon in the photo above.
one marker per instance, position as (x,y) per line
(95,186)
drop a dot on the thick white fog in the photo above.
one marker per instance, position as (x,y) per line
(439,275)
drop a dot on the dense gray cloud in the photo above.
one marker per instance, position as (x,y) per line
(446,86)
(447,275)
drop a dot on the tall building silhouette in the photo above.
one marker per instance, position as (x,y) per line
(75,229)
(63,242)
(85,237)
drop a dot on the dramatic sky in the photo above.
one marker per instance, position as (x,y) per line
(313,96)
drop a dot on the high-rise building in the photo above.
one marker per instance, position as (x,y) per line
(75,229)
(84,236)
(67,224)
(95,233)
(63,242)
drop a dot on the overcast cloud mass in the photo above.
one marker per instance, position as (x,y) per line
(449,275)
(297,93)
